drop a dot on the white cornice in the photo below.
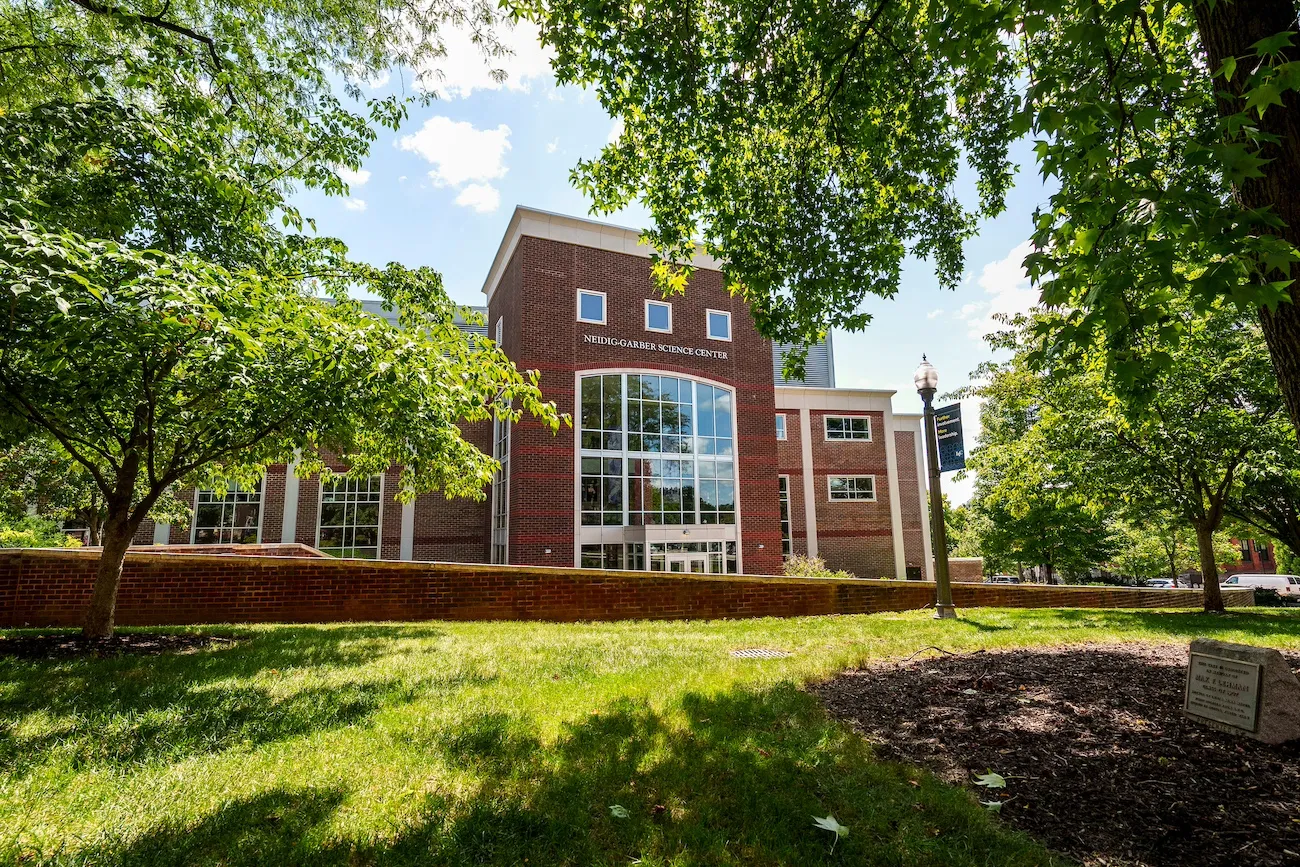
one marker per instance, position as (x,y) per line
(809,397)
(572,230)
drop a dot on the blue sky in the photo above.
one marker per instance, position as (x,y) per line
(440,192)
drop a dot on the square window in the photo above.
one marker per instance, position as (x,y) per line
(591,306)
(780,425)
(719,324)
(856,427)
(659,316)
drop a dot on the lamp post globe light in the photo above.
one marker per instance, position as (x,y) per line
(926,380)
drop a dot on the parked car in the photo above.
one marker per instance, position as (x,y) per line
(1162,583)
(1003,579)
(1283,585)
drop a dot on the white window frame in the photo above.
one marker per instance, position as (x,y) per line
(604,306)
(668,304)
(781,433)
(831,498)
(826,430)
(787,532)
(379,535)
(708,332)
(261,515)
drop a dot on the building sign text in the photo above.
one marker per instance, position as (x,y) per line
(601,340)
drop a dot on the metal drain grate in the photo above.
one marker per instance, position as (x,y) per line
(759,653)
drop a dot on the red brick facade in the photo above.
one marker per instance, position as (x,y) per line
(532,292)
(537,299)
(50,588)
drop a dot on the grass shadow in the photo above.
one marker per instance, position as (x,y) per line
(274,827)
(737,781)
(125,710)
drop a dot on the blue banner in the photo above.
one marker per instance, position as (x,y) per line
(952,446)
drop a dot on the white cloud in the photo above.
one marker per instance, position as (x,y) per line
(354,204)
(934,314)
(615,131)
(1007,288)
(465,69)
(551,146)
(458,151)
(483,198)
(401,179)
(378,80)
(351,178)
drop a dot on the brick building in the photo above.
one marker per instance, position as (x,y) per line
(688,453)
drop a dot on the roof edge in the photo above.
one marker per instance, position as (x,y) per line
(537,223)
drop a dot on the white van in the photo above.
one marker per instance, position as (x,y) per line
(1285,585)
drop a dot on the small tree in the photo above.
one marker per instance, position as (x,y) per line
(38,475)
(1162,545)
(1212,408)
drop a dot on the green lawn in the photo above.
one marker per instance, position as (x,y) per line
(477,743)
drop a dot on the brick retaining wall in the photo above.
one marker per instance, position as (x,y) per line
(46,588)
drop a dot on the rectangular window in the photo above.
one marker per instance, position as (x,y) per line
(663,491)
(602,492)
(849,427)
(787,544)
(602,556)
(660,416)
(717,491)
(713,411)
(719,324)
(349,517)
(602,412)
(780,425)
(852,487)
(658,316)
(232,518)
(591,306)
(501,488)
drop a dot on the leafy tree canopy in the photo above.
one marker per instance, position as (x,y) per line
(165,320)
(812,147)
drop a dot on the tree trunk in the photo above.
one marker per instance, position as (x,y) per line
(118,531)
(1228,29)
(1209,568)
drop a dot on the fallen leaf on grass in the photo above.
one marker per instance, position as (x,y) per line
(991,780)
(618,811)
(828,823)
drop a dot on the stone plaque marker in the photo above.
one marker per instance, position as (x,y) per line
(1241,689)
(1225,690)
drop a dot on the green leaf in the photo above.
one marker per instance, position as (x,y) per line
(618,811)
(990,780)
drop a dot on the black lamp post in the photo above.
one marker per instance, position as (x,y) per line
(926,380)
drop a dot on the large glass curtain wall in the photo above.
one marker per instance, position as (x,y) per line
(656,450)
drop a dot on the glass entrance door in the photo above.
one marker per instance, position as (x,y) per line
(695,563)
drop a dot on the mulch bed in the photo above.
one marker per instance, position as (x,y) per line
(1099,761)
(67,646)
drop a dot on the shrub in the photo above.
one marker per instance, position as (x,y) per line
(33,531)
(799,566)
